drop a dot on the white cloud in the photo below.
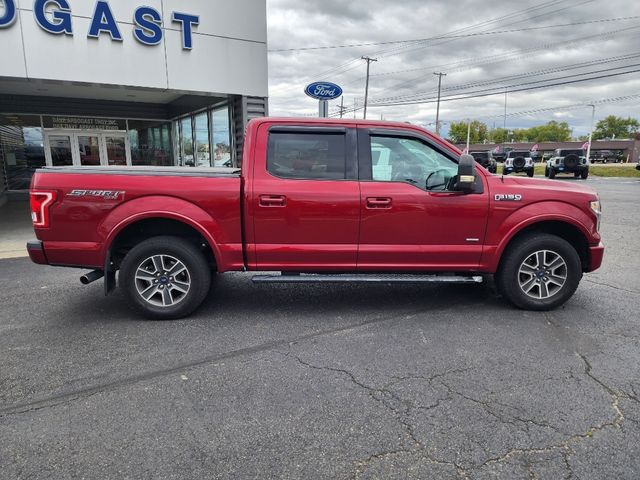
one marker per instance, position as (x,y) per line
(404,70)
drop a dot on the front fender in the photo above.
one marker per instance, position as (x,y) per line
(504,226)
(160,206)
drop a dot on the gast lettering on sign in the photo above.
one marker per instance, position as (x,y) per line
(147,20)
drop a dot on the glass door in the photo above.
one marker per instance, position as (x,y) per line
(59,151)
(86,148)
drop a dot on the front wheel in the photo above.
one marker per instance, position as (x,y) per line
(552,173)
(585,174)
(530,173)
(165,278)
(539,272)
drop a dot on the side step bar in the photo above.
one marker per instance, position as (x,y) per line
(366,278)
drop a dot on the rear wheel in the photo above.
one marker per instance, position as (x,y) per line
(530,173)
(546,171)
(552,173)
(165,278)
(585,174)
(539,272)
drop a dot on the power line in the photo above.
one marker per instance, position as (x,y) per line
(536,73)
(446,36)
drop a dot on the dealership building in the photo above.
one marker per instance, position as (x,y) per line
(122,83)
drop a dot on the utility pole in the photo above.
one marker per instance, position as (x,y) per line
(593,116)
(366,88)
(468,134)
(342,108)
(440,75)
(504,125)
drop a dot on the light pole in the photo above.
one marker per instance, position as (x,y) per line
(366,88)
(593,116)
(468,133)
(440,75)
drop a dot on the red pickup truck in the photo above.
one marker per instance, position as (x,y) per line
(317,200)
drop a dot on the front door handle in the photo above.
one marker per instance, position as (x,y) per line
(378,202)
(273,200)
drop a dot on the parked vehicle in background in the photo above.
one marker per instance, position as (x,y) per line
(604,156)
(518,161)
(500,154)
(567,161)
(317,200)
(486,160)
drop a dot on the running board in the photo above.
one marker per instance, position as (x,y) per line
(365,278)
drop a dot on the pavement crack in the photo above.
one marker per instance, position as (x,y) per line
(615,395)
(622,289)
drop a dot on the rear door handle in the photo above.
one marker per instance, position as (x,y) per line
(273,200)
(378,202)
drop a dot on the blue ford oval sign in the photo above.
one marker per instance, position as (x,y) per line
(323,90)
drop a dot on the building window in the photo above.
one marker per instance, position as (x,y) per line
(203,150)
(150,143)
(221,133)
(21,148)
(204,139)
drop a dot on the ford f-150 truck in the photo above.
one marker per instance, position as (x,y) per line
(317,200)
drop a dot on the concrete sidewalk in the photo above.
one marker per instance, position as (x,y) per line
(15,228)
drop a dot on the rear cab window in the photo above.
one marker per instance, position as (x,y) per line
(313,156)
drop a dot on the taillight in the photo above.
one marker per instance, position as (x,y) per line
(40,203)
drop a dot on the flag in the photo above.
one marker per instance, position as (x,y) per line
(535,148)
(497,149)
(585,146)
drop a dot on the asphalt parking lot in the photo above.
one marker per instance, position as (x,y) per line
(326,381)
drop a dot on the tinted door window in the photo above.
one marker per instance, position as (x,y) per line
(396,159)
(316,156)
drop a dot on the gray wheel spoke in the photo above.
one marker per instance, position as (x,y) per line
(167,299)
(544,290)
(177,286)
(149,292)
(527,269)
(529,285)
(540,259)
(558,262)
(142,274)
(177,269)
(559,281)
(157,263)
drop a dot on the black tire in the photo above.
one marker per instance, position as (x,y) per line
(198,276)
(546,172)
(509,278)
(552,173)
(584,174)
(530,173)
(504,171)
(577,174)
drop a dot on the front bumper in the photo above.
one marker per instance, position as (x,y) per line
(595,257)
(35,248)
(518,169)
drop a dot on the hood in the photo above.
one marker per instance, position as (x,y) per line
(552,185)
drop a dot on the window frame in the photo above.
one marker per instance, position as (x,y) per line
(365,161)
(351,149)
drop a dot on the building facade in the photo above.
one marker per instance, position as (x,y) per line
(117,82)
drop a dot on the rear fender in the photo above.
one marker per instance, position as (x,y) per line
(501,235)
(158,206)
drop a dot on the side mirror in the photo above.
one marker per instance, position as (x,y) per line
(466,174)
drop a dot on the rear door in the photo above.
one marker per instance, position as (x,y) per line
(305,199)
(412,219)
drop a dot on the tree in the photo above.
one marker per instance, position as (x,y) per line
(458,132)
(498,135)
(550,132)
(616,127)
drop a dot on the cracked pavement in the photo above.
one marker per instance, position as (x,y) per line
(326,381)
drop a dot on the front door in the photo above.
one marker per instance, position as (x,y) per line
(412,219)
(86,148)
(305,201)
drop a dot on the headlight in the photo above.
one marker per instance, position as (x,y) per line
(597,209)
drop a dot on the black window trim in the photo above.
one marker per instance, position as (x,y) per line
(351,150)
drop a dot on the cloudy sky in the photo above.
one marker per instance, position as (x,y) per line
(460,39)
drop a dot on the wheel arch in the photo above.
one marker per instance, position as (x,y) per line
(563,228)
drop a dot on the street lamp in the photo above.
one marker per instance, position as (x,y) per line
(593,116)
